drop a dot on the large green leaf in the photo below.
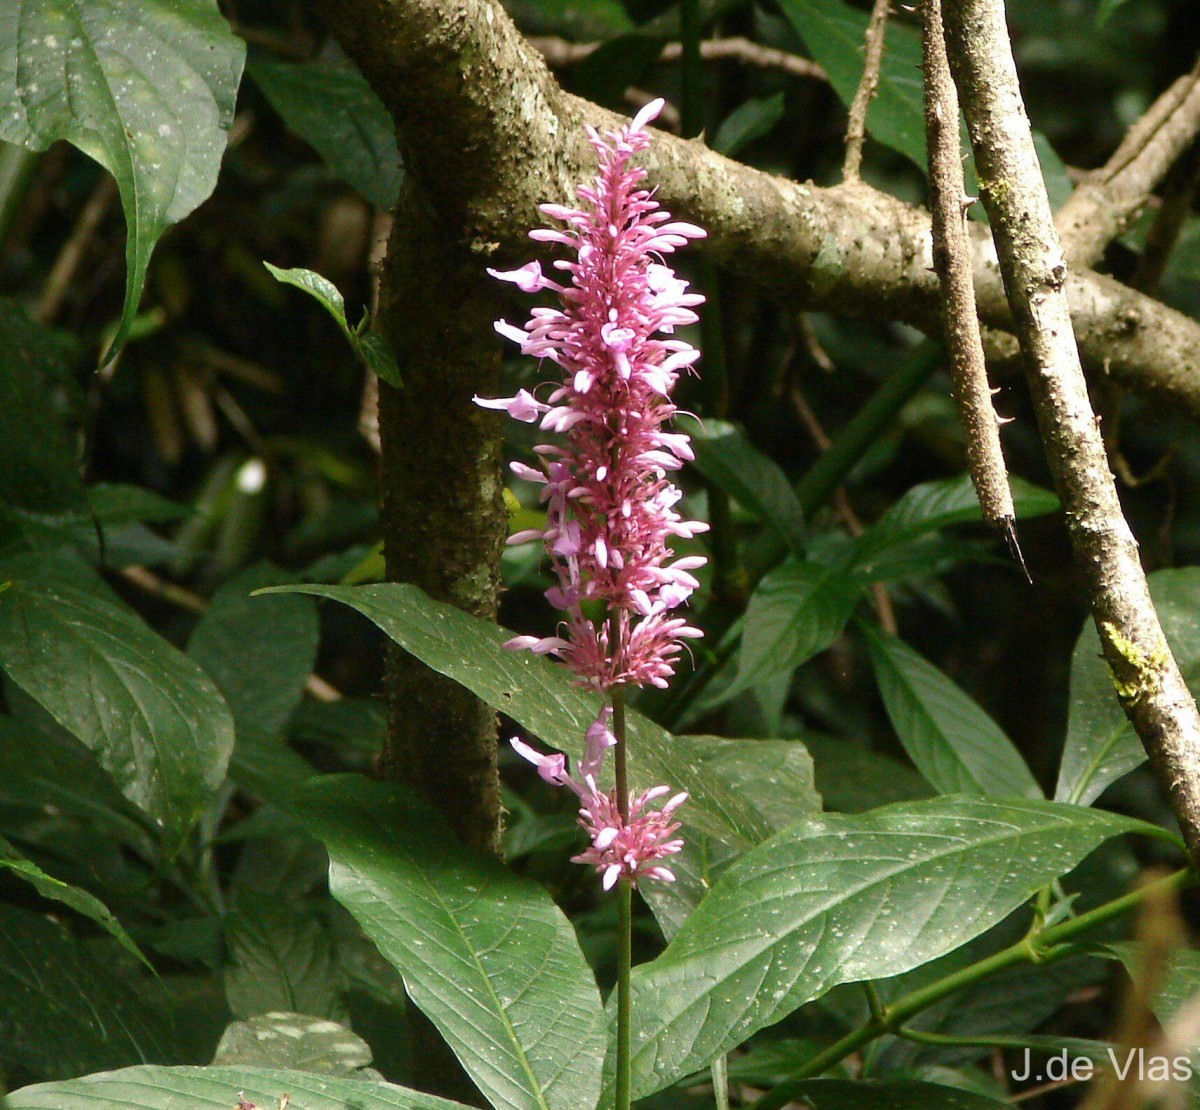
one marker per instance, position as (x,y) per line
(37,463)
(953,743)
(838,899)
(151,715)
(728,459)
(930,507)
(63,1013)
(334,109)
(542,697)
(261,676)
(219,1088)
(76,898)
(146,87)
(797,611)
(486,954)
(1101,745)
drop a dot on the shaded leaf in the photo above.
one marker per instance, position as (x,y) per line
(72,896)
(61,1012)
(145,87)
(747,123)
(852,778)
(899,1094)
(338,114)
(484,953)
(953,743)
(152,717)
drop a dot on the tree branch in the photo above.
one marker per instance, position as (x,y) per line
(856,124)
(1108,200)
(490,135)
(1148,681)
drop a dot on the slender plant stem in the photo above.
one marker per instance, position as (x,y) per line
(1046,946)
(624,1081)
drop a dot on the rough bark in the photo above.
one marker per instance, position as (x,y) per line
(1148,681)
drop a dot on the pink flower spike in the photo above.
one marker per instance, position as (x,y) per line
(528,278)
(524,406)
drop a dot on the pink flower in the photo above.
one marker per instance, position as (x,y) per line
(620,847)
(610,509)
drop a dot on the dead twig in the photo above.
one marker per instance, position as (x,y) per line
(70,258)
(952,262)
(856,125)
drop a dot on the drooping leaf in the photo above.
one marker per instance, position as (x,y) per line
(748,122)
(152,717)
(953,743)
(542,697)
(217,1088)
(338,114)
(726,457)
(280,959)
(796,612)
(72,896)
(145,87)
(294,1041)
(262,677)
(484,953)
(932,506)
(371,348)
(1101,745)
(38,471)
(838,899)
(63,1013)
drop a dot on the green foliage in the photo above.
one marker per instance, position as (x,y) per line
(146,88)
(487,956)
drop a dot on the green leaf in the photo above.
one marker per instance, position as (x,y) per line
(747,123)
(774,775)
(484,953)
(605,74)
(152,717)
(839,899)
(261,677)
(932,506)
(293,1040)
(953,743)
(1101,745)
(281,958)
(61,1012)
(219,1089)
(37,462)
(542,697)
(897,1094)
(1107,9)
(371,348)
(117,503)
(834,32)
(338,114)
(145,87)
(72,896)
(730,461)
(796,612)
(1059,185)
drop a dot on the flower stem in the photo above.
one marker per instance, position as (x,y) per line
(625,920)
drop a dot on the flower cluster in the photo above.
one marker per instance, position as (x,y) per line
(620,845)
(610,508)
